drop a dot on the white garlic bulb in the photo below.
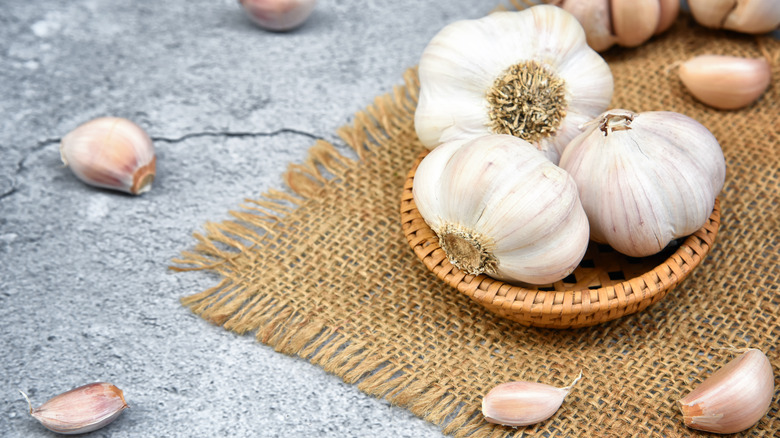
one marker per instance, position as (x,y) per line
(726,82)
(528,73)
(748,16)
(645,179)
(111,152)
(501,208)
(734,398)
(278,15)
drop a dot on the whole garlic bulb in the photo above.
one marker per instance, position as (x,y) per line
(111,152)
(628,23)
(748,16)
(278,15)
(501,208)
(526,73)
(645,179)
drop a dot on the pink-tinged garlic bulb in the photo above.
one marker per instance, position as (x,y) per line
(278,15)
(726,82)
(645,179)
(111,152)
(81,410)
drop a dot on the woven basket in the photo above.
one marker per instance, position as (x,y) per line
(606,285)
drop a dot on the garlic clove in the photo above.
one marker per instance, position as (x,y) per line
(81,410)
(595,19)
(756,16)
(670,9)
(711,13)
(635,21)
(523,403)
(726,82)
(732,399)
(749,16)
(112,153)
(278,15)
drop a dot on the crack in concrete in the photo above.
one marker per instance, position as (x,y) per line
(228,134)
(238,134)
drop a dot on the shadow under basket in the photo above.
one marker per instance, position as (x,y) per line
(605,286)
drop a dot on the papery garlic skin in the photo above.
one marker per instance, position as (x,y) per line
(523,403)
(111,152)
(565,81)
(748,16)
(499,207)
(726,82)
(734,398)
(645,179)
(278,15)
(81,410)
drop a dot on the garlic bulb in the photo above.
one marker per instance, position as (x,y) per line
(523,403)
(645,179)
(112,153)
(526,73)
(726,82)
(748,16)
(628,23)
(501,208)
(734,398)
(278,15)
(80,410)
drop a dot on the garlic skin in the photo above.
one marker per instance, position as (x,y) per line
(523,403)
(645,179)
(81,410)
(111,152)
(747,16)
(278,15)
(726,82)
(732,399)
(499,207)
(527,73)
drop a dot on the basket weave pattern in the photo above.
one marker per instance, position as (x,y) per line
(605,286)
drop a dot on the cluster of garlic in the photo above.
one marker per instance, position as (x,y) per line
(633,181)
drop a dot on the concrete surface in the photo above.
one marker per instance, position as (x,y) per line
(85,294)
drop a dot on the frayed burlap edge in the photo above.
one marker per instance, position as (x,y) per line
(227,246)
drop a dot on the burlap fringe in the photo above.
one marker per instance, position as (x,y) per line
(238,307)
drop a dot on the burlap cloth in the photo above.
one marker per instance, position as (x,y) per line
(323,271)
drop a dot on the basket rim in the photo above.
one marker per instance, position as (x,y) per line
(588,306)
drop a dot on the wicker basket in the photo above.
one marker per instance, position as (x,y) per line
(605,286)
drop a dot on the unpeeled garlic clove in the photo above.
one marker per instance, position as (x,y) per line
(635,21)
(278,15)
(81,410)
(726,82)
(111,152)
(595,19)
(748,16)
(732,399)
(523,403)
(670,9)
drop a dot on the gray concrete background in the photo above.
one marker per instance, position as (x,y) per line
(85,294)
